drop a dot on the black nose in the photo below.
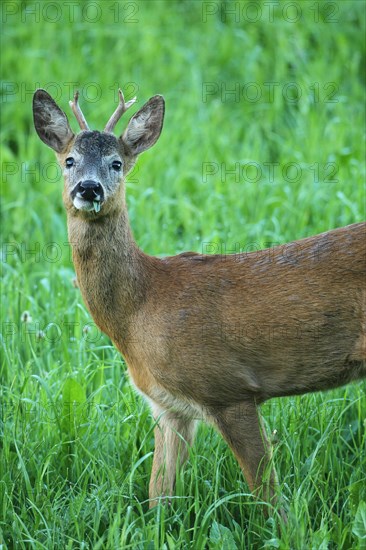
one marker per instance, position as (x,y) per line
(90,190)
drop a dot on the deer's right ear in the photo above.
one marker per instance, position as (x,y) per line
(50,122)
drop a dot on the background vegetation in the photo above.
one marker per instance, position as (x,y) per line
(263,143)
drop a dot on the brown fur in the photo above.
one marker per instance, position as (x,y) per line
(212,337)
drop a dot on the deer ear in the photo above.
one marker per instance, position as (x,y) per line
(50,122)
(145,126)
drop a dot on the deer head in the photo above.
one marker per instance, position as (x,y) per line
(96,163)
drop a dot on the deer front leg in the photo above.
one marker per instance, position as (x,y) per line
(242,428)
(173,434)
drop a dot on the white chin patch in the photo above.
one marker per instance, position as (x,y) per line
(80,204)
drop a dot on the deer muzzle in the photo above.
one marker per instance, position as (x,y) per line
(88,195)
(89,190)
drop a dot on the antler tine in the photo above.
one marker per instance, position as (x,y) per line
(78,113)
(122,108)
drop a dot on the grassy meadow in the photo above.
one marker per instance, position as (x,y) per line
(263,143)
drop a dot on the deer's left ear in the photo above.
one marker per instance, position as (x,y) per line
(50,122)
(145,126)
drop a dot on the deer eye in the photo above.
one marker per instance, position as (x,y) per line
(69,162)
(116,165)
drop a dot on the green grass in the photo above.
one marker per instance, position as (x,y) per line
(78,478)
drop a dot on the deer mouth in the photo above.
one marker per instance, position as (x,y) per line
(89,206)
(88,196)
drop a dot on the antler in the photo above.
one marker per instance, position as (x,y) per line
(122,108)
(77,112)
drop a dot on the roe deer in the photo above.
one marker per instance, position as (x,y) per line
(206,335)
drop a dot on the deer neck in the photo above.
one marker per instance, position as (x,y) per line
(112,273)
